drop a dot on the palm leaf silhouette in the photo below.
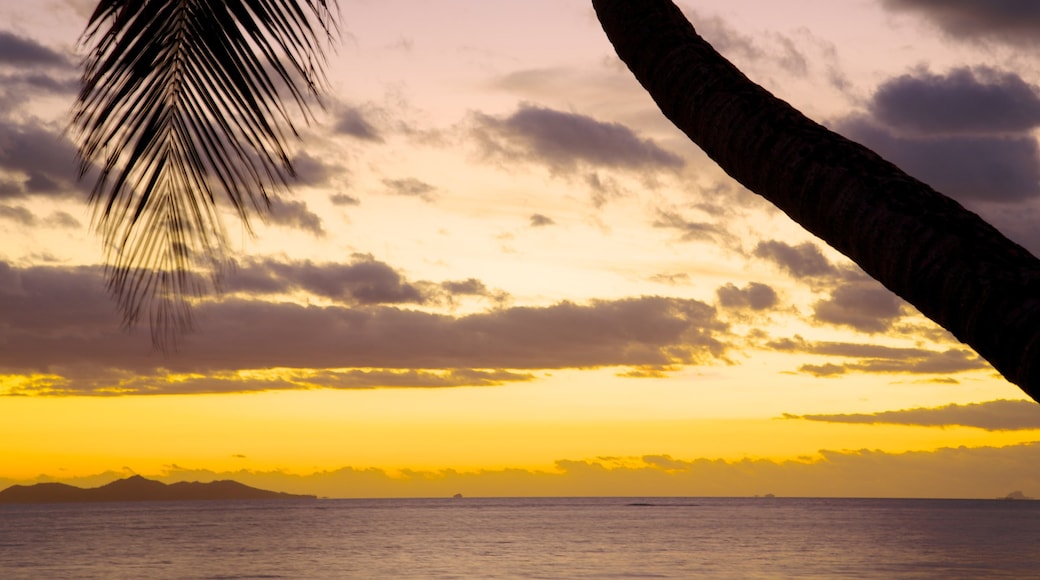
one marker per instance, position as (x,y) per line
(182,110)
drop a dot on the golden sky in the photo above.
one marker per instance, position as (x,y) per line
(502,272)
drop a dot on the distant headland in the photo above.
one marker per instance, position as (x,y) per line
(138,488)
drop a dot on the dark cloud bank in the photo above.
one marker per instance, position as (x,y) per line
(362,324)
(966,133)
(60,322)
(26,52)
(963,101)
(36,159)
(969,133)
(1001,21)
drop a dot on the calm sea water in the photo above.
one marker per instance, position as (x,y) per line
(524,538)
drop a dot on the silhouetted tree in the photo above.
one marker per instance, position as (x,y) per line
(943,259)
(181,111)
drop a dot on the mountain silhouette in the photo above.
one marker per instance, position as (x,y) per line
(137,488)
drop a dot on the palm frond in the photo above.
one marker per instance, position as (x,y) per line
(183,107)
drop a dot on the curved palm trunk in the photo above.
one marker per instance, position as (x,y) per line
(955,268)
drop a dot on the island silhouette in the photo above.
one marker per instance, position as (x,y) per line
(137,488)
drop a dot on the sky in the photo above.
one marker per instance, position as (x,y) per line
(502,272)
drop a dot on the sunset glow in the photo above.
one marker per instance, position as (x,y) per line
(503,272)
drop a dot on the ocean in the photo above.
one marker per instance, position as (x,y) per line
(524,538)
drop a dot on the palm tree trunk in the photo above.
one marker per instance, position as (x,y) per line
(943,259)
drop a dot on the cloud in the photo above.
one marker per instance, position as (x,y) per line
(61,219)
(867,307)
(122,383)
(538,220)
(824,370)
(29,71)
(568,142)
(451,290)
(846,349)
(43,160)
(875,358)
(928,362)
(966,100)
(743,48)
(61,329)
(55,302)
(311,171)
(26,52)
(671,278)
(411,187)
(17,88)
(566,335)
(1002,21)
(754,296)
(363,281)
(999,415)
(22,216)
(17,214)
(690,231)
(801,261)
(603,187)
(967,133)
(353,122)
(993,168)
(295,215)
(577,82)
(344,199)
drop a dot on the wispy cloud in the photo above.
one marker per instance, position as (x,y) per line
(874,358)
(772,49)
(411,187)
(691,230)
(1000,415)
(344,199)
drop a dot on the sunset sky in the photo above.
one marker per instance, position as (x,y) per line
(503,272)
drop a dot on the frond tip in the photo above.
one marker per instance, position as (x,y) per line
(182,109)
